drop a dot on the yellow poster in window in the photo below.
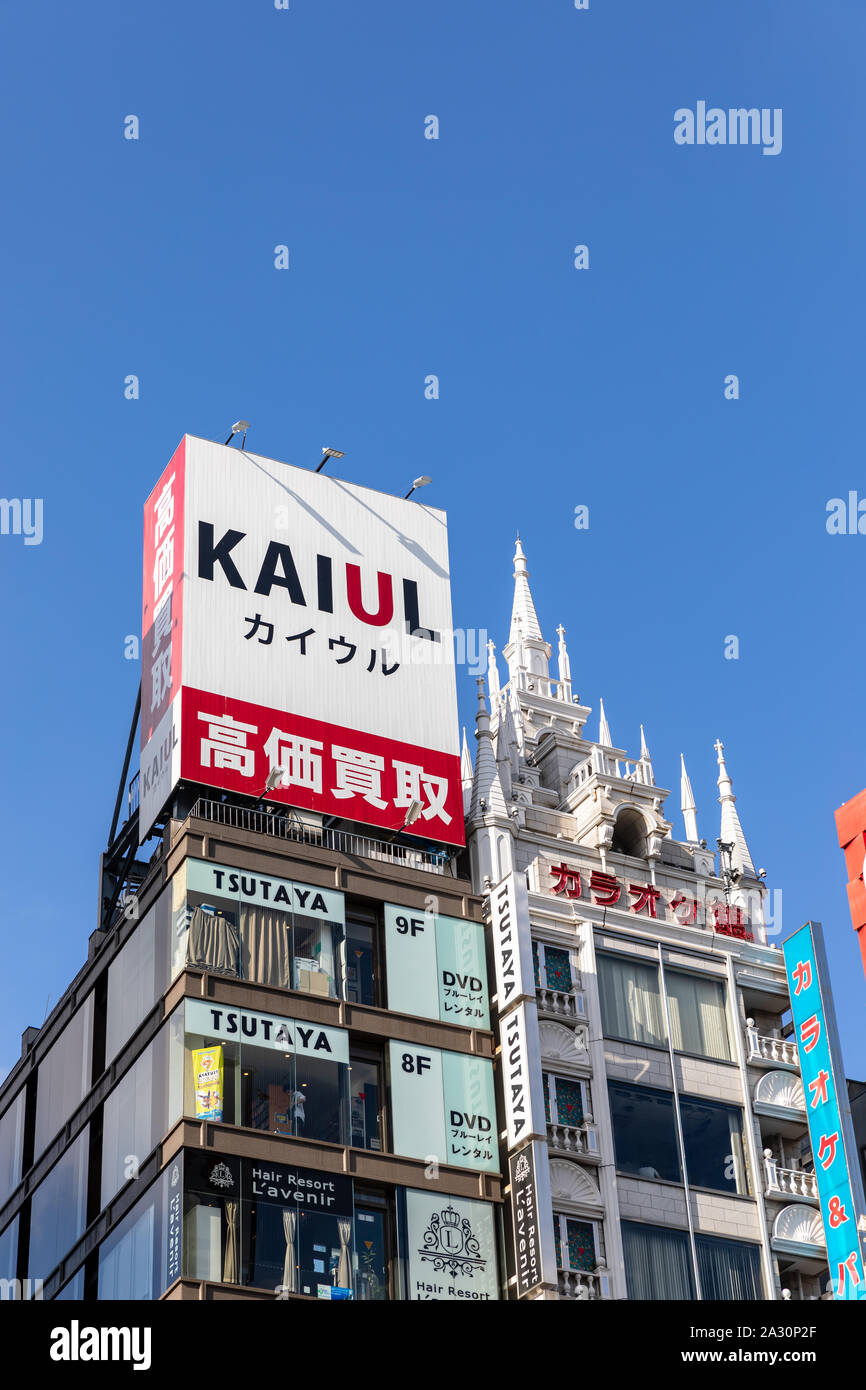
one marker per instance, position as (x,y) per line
(207,1071)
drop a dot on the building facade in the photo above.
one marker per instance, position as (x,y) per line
(655,1122)
(274,1076)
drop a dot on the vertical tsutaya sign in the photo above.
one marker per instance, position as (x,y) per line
(521,1075)
(837,1172)
(451,1248)
(443,1106)
(512,943)
(291,620)
(174,1219)
(436,967)
(530,1219)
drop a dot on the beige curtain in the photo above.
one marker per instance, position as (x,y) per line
(290,1272)
(230,1261)
(212,943)
(266,946)
(344,1268)
(697,1009)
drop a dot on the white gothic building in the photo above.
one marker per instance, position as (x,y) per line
(645,1052)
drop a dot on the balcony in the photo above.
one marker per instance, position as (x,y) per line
(580,1284)
(575,1141)
(788,1182)
(286,825)
(569,1006)
(766,1051)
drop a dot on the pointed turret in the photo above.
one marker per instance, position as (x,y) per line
(526,649)
(486,785)
(603,727)
(731,831)
(687,805)
(492,673)
(646,760)
(564,667)
(466,773)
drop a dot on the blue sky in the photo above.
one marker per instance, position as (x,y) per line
(558,387)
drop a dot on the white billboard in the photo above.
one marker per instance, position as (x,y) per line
(294,620)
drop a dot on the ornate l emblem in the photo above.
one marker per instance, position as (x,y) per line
(450,1245)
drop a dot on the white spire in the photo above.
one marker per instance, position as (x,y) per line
(523,608)
(486,785)
(466,773)
(564,667)
(645,758)
(731,830)
(603,727)
(526,649)
(687,805)
(492,672)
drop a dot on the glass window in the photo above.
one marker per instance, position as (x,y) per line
(365,1099)
(58,1210)
(9,1250)
(564,1100)
(64,1076)
(728,1269)
(371,1252)
(644,1130)
(137,977)
(137,1113)
(255,927)
(630,1001)
(290,1093)
(295,1081)
(557,968)
(11,1147)
(73,1289)
(713,1140)
(361,964)
(133,1259)
(657,1262)
(698,1018)
(279,1228)
(211,1219)
(575,1243)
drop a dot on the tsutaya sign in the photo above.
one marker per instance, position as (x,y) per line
(273,601)
(836,1168)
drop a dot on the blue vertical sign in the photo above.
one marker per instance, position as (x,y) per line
(839,1186)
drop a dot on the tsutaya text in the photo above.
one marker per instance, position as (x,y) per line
(645,899)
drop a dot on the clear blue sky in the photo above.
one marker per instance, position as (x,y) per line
(408,257)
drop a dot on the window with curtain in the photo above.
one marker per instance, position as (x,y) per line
(657,1262)
(644,1131)
(137,976)
(697,1010)
(140,1109)
(713,1139)
(57,1210)
(11,1146)
(729,1269)
(630,1000)
(63,1079)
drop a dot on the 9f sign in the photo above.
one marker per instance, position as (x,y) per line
(277,570)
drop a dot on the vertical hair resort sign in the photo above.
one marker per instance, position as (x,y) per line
(299,622)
